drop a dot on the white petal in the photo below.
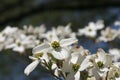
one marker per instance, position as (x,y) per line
(2,38)
(117,78)
(77,75)
(32,58)
(54,35)
(95,73)
(39,48)
(56,72)
(67,28)
(76,58)
(31,67)
(116,54)
(108,59)
(20,49)
(10,46)
(92,25)
(81,31)
(91,33)
(45,57)
(69,41)
(65,67)
(62,54)
(117,64)
(99,24)
(86,63)
(101,55)
(8,30)
(54,66)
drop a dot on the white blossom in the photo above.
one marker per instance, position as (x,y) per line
(58,47)
(91,29)
(116,54)
(59,52)
(31,67)
(108,34)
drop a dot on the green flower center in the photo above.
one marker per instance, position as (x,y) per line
(38,55)
(109,35)
(3,34)
(116,75)
(75,67)
(100,64)
(89,29)
(55,44)
(19,44)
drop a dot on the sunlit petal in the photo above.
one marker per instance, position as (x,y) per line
(86,63)
(54,35)
(39,48)
(69,41)
(62,54)
(31,67)
(77,75)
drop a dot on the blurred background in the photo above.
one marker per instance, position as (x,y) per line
(51,13)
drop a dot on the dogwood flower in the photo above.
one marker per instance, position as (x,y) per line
(68,70)
(101,64)
(117,23)
(38,56)
(71,71)
(98,25)
(58,48)
(58,52)
(21,43)
(34,30)
(17,46)
(115,53)
(9,30)
(103,59)
(5,40)
(108,34)
(91,29)
(114,72)
(74,62)
(66,30)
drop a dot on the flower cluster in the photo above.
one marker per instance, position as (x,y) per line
(58,50)
(20,39)
(107,35)
(65,59)
(28,37)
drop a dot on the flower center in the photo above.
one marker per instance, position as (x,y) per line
(38,55)
(116,75)
(19,44)
(100,64)
(89,29)
(109,36)
(75,67)
(3,34)
(55,44)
